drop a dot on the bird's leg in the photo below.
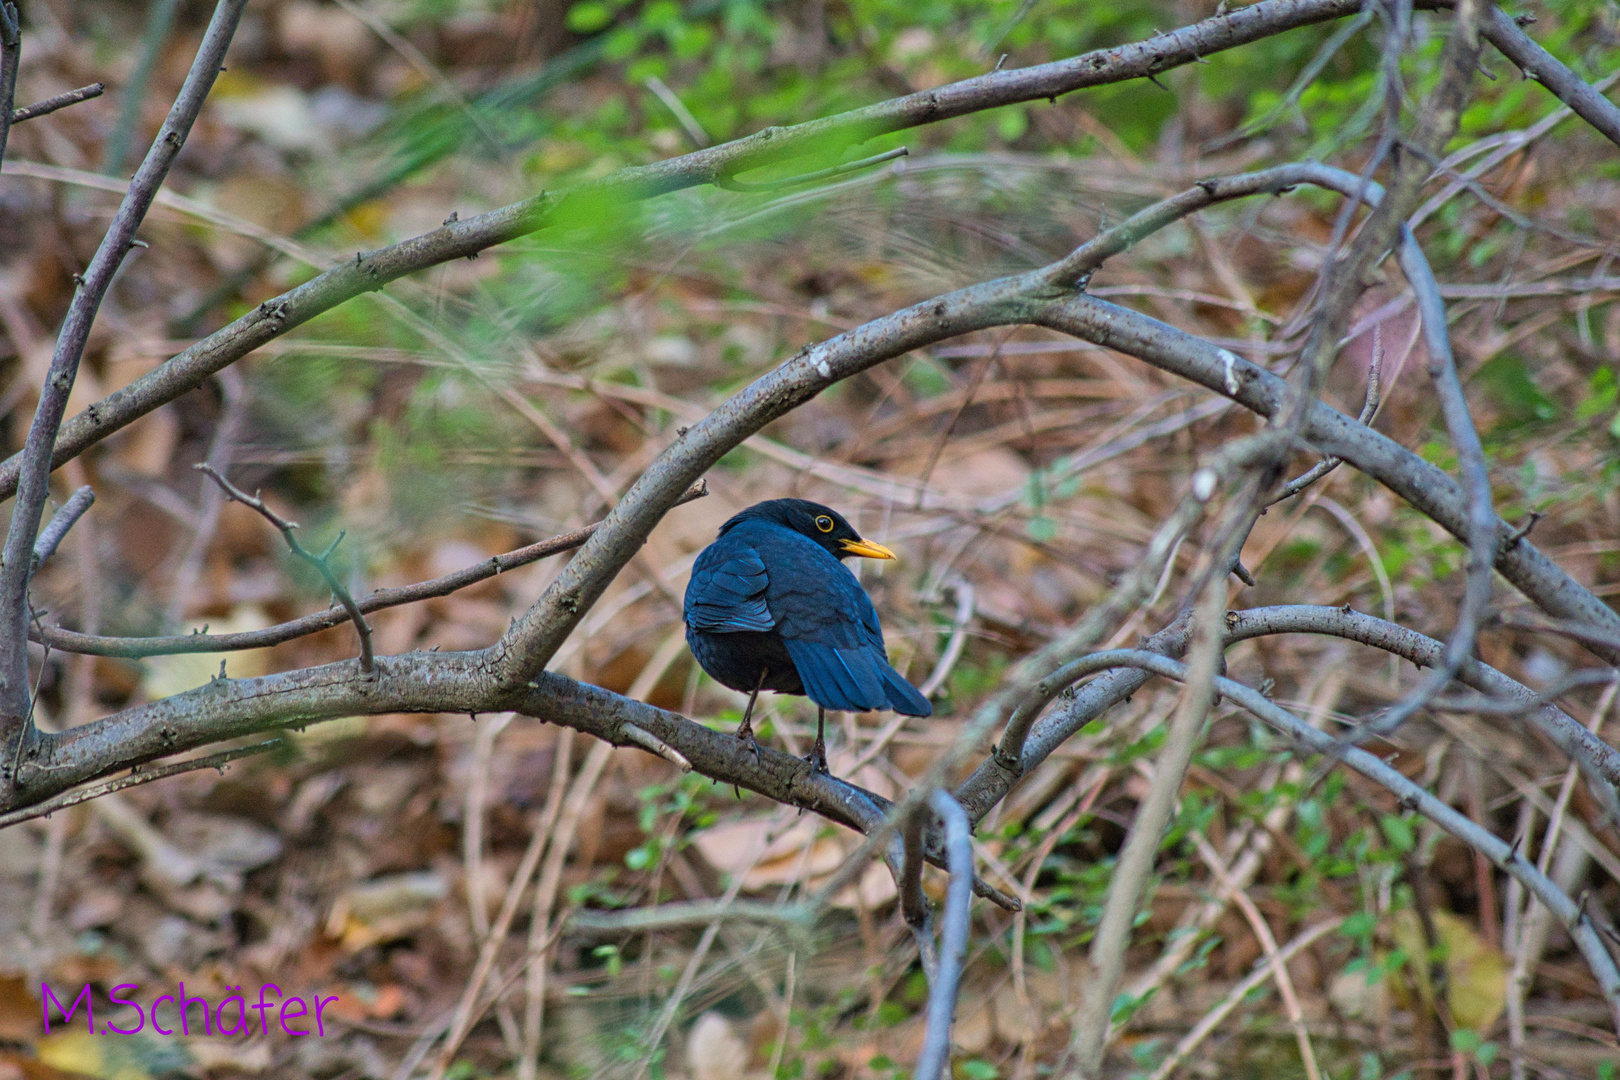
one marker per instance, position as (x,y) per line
(818,753)
(745,731)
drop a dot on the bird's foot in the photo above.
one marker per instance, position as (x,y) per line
(817,757)
(745,735)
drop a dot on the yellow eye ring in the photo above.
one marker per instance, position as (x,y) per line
(824,523)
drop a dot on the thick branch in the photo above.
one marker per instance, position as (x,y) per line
(1426,487)
(436,682)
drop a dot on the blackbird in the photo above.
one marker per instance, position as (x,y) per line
(771,607)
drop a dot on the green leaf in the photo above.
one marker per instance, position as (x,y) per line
(1398,832)
(589,16)
(1041,529)
(977,1069)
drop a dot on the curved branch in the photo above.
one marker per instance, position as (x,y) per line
(1424,486)
(448,683)
(1505,856)
(461,239)
(1597,759)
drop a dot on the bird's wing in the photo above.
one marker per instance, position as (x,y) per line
(727,592)
(832,633)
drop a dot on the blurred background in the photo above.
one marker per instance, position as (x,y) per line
(499,400)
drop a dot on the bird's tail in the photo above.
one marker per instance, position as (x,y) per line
(903,697)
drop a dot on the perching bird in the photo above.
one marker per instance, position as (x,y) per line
(771,607)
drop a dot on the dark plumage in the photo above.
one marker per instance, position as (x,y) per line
(771,607)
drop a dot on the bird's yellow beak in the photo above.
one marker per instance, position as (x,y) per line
(866,549)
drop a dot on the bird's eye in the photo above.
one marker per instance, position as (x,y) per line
(824,523)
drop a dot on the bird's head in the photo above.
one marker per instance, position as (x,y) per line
(825,526)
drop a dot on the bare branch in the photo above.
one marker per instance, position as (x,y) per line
(322,562)
(1424,486)
(1503,855)
(10,60)
(56,530)
(460,239)
(136,647)
(1502,31)
(135,779)
(1597,758)
(36,460)
(450,683)
(935,1055)
(59,101)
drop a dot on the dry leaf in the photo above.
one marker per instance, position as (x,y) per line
(714,1051)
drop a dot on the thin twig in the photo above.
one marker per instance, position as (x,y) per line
(134,648)
(60,101)
(322,562)
(56,530)
(1212,1019)
(1268,945)
(134,779)
(648,741)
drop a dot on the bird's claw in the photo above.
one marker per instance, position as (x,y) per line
(817,757)
(746,736)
